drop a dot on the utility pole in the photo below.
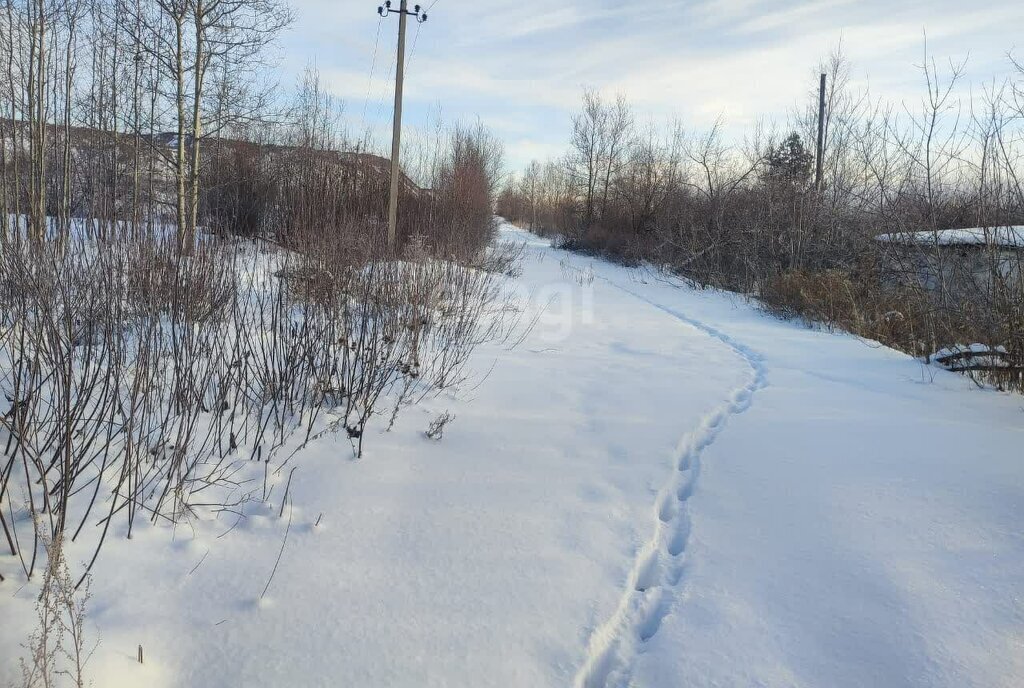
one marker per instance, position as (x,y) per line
(396,133)
(821,135)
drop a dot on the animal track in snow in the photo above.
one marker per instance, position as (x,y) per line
(650,593)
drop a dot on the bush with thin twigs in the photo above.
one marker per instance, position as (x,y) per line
(146,382)
(435,431)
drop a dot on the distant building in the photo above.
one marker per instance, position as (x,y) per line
(966,262)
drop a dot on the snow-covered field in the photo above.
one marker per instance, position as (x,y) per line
(658,487)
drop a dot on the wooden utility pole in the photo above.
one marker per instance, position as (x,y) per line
(818,161)
(396,132)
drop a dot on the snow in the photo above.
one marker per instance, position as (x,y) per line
(659,487)
(973,356)
(972,349)
(1009,237)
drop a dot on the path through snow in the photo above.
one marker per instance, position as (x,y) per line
(659,567)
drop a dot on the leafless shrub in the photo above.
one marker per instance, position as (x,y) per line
(584,277)
(503,258)
(155,366)
(435,431)
(145,386)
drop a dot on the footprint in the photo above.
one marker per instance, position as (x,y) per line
(652,616)
(667,510)
(647,574)
(687,461)
(742,398)
(685,491)
(677,544)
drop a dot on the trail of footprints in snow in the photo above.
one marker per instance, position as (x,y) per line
(660,564)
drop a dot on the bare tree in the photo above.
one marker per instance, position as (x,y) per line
(192,42)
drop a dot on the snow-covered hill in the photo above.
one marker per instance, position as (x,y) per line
(658,487)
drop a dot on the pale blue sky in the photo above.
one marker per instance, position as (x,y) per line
(521,66)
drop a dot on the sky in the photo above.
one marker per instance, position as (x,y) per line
(521,67)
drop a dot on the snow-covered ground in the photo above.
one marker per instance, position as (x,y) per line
(659,487)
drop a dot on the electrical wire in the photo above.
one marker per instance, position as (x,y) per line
(373,64)
(416,37)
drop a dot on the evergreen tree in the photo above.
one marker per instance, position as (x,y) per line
(789,161)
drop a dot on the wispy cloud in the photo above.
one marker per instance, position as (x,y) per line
(521,66)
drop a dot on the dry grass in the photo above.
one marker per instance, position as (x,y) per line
(904,318)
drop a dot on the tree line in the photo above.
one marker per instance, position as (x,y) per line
(747,216)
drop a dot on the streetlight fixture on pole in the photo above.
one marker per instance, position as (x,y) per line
(396,134)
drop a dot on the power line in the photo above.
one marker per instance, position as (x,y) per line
(415,40)
(373,64)
(416,37)
(381,99)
